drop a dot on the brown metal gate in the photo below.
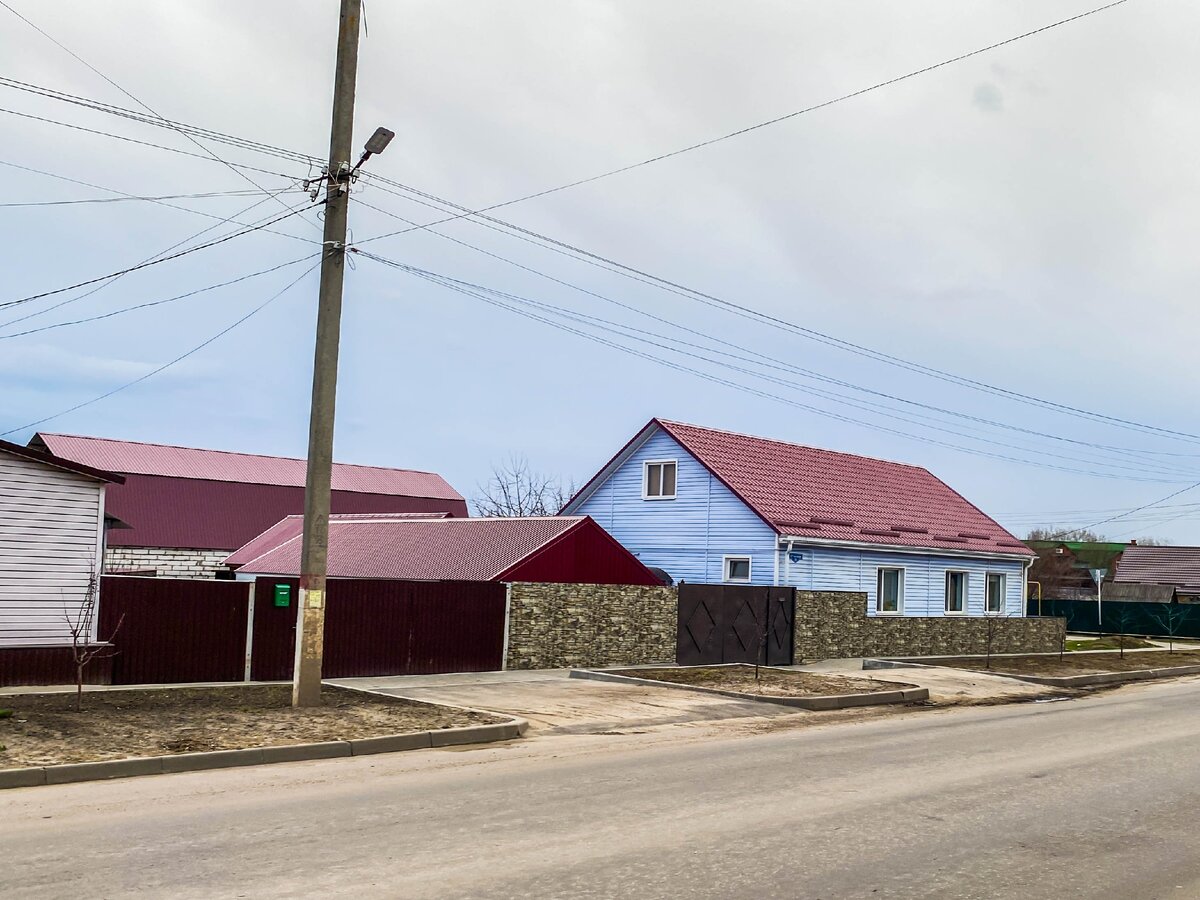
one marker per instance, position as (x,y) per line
(378,627)
(726,623)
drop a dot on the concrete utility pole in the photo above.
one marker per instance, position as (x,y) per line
(310,623)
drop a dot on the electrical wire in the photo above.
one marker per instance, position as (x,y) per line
(178,359)
(153,303)
(87,200)
(143,265)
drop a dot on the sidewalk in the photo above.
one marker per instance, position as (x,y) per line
(945,685)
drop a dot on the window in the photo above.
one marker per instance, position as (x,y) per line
(956,592)
(658,482)
(889,596)
(737,568)
(997,586)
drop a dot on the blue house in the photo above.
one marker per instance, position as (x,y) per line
(717,507)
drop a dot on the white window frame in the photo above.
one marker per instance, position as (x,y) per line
(726,560)
(987,580)
(966,597)
(879,610)
(646,479)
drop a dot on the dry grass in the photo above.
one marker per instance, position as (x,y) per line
(45,729)
(1077,663)
(771,682)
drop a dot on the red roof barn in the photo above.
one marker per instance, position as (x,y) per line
(561,549)
(189,508)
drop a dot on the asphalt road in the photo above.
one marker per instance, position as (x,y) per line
(1098,798)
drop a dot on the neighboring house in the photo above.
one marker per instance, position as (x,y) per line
(718,507)
(1157,574)
(1064,568)
(191,508)
(560,549)
(52,535)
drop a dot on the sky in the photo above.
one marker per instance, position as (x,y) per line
(1025,219)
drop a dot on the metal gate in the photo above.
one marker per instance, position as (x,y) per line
(727,623)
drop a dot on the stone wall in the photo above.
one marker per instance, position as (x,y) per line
(833,624)
(553,626)
(165,562)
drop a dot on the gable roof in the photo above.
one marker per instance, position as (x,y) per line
(1179,566)
(136,458)
(826,495)
(1087,554)
(49,459)
(293,526)
(404,547)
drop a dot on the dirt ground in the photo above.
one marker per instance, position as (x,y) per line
(771,682)
(1076,663)
(45,729)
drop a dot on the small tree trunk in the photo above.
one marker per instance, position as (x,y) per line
(79,686)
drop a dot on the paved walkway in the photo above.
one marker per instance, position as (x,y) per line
(945,685)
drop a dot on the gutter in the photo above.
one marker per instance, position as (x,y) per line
(790,539)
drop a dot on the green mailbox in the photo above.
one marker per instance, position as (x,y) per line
(283,595)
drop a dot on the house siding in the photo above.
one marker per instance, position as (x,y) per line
(689,536)
(51,528)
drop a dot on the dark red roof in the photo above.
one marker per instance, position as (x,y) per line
(293,526)
(826,495)
(408,548)
(136,458)
(49,459)
(215,500)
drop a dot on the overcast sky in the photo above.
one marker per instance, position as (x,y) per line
(1025,218)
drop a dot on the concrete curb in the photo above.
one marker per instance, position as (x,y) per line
(1049,680)
(906,694)
(257,756)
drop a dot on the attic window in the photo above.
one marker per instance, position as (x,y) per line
(658,480)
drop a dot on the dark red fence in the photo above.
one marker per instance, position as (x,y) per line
(377,627)
(173,630)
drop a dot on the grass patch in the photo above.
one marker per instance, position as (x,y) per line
(1109,643)
(1075,664)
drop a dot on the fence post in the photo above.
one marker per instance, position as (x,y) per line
(250,630)
(507,614)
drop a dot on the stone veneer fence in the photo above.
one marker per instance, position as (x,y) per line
(835,624)
(553,626)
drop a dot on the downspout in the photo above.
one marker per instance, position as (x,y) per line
(775,561)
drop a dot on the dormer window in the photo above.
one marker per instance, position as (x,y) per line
(658,480)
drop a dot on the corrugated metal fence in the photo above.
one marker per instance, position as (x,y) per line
(1123,617)
(175,630)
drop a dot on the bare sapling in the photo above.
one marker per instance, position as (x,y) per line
(81,626)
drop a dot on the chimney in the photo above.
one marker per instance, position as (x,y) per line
(1133,543)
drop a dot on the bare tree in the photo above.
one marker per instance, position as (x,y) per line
(1121,617)
(1051,533)
(516,490)
(81,624)
(991,628)
(1171,617)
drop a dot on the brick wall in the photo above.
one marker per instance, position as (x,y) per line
(554,626)
(165,562)
(831,625)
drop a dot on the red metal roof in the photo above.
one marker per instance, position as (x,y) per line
(135,458)
(49,459)
(1179,566)
(826,495)
(293,526)
(419,549)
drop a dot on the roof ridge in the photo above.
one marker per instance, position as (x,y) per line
(767,440)
(88,437)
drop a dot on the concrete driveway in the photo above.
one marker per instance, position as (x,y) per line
(557,704)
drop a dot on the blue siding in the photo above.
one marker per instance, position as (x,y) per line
(689,536)
(845,569)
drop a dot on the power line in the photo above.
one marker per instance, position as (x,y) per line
(203,196)
(475,291)
(785,117)
(147,264)
(224,331)
(153,303)
(765,360)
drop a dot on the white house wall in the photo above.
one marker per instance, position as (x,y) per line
(51,525)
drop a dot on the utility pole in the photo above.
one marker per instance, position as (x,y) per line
(310,621)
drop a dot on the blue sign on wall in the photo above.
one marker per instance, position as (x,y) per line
(795,556)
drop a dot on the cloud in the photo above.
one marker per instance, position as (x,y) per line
(988,98)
